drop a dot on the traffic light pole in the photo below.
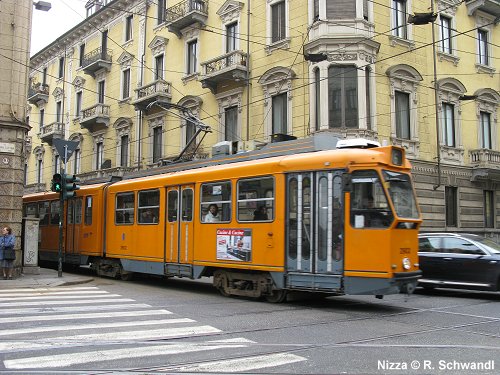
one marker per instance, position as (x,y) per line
(61,214)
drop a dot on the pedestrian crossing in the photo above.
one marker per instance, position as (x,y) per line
(67,328)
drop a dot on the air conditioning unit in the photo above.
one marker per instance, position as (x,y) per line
(245,146)
(222,148)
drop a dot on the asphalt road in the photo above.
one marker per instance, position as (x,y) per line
(150,326)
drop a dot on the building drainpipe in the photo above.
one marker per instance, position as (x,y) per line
(141,114)
(247,138)
(436,102)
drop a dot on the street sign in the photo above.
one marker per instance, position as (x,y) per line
(65,148)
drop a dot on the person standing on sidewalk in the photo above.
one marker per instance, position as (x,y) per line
(7,252)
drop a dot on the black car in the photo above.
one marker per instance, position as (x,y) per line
(465,261)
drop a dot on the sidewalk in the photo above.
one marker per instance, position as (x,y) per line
(47,278)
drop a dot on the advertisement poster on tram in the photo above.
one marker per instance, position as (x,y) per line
(234,244)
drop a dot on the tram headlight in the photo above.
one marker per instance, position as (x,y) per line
(397,156)
(406,263)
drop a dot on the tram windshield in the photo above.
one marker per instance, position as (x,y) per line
(401,192)
(369,205)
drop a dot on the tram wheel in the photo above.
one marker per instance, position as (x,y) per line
(126,276)
(277,296)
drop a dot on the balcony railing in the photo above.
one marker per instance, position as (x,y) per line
(95,117)
(52,131)
(230,66)
(38,92)
(96,60)
(186,13)
(157,90)
(485,158)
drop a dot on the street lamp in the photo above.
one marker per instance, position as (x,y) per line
(42,5)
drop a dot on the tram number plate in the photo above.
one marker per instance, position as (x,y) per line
(404,250)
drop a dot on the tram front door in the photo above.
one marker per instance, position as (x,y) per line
(315,225)
(179,243)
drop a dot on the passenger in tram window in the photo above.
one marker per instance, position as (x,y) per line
(260,214)
(148,216)
(213,214)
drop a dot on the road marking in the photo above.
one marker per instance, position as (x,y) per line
(51,310)
(110,314)
(42,290)
(69,359)
(241,364)
(59,298)
(20,331)
(82,302)
(38,294)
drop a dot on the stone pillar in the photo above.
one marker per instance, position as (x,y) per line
(30,245)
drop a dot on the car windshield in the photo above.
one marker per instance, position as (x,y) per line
(401,192)
(490,245)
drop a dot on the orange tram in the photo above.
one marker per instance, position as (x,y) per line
(262,223)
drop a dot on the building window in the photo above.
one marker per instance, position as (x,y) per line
(100,92)
(99,155)
(231,123)
(278,21)
(316,10)
(39,170)
(125,83)
(192,54)
(368,98)
(449,125)
(128,28)
(76,161)
(158,67)
(124,151)
(482,45)
(59,111)
(489,208)
(400,16)
(343,96)
(451,203)
(44,76)
(445,30)
(61,67)
(485,119)
(402,115)
(78,104)
(231,31)
(162,5)
(190,132)
(280,114)
(42,115)
(82,53)
(157,143)
(317,99)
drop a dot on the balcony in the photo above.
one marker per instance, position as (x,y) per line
(231,67)
(488,6)
(95,118)
(486,164)
(185,14)
(97,60)
(157,90)
(37,93)
(52,131)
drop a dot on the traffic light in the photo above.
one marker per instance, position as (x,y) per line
(69,185)
(56,184)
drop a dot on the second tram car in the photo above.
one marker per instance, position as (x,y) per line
(342,221)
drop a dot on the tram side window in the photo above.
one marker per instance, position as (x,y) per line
(216,202)
(30,210)
(256,199)
(369,205)
(78,211)
(88,210)
(124,209)
(148,207)
(43,211)
(54,212)
(187,205)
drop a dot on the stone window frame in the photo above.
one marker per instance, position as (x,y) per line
(158,46)
(227,99)
(97,138)
(448,8)
(229,13)
(275,81)
(39,153)
(78,86)
(126,17)
(77,154)
(125,61)
(191,34)
(404,78)
(283,43)
(155,122)
(449,91)
(395,40)
(122,126)
(484,21)
(193,103)
(488,101)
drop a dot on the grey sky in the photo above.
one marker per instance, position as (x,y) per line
(47,26)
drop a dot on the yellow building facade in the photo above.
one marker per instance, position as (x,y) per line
(256,71)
